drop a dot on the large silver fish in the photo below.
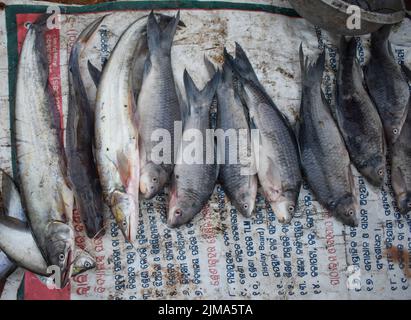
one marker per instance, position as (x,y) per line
(240,186)
(387,85)
(401,163)
(324,157)
(358,118)
(81,167)
(40,154)
(158,108)
(278,160)
(193,180)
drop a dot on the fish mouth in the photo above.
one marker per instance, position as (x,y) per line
(66,274)
(283,212)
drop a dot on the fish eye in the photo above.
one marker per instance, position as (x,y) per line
(154,179)
(87,264)
(291,208)
(380,172)
(125,223)
(395,131)
(245,206)
(62,257)
(350,212)
(178,212)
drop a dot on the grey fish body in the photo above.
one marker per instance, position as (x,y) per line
(324,158)
(158,107)
(81,167)
(193,183)
(279,167)
(40,155)
(358,118)
(241,188)
(386,85)
(401,163)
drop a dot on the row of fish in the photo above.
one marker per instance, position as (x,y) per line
(107,160)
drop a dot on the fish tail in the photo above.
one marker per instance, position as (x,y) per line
(312,73)
(242,65)
(197,98)
(161,41)
(211,69)
(382,34)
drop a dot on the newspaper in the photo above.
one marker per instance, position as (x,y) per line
(221,254)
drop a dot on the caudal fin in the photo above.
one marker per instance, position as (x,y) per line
(311,72)
(243,66)
(200,98)
(160,41)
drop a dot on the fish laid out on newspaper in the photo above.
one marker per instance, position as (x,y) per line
(194,178)
(17,242)
(358,118)
(387,85)
(82,171)
(158,109)
(278,168)
(235,174)
(324,157)
(40,154)
(401,163)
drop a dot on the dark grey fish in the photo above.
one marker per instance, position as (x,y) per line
(324,157)
(232,118)
(387,85)
(81,168)
(401,163)
(278,160)
(358,118)
(158,108)
(193,181)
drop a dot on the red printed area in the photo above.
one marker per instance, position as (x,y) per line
(208,232)
(34,289)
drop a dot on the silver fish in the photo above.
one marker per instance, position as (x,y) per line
(193,183)
(40,155)
(387,85)
(240,188)
(158,107)
(401,163)
(358,118)
(81,168)
(279,167)
(324,157)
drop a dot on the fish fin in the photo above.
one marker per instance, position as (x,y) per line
(161,40)
(381,34)
(88,32)
(211,69)
(10,196)
(123,168)
(94,73)
(243,66)
(203,98)
(406,70)
(183,104)
(147,67)
(14,222)
(398,181)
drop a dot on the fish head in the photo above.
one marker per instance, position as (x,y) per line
(244,198)
(82,263)
(404,202)
(123,207)
(59,248)
(182,207)
(285,206)
(152,179)
(345,210)
(392,130)
(374,171)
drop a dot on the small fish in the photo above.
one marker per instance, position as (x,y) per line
(401,163)
(81,167)
(240,187)
(193,183)
(387,85)
(358,118)
(279,165)
(158,108)
(324,157)
(41,162)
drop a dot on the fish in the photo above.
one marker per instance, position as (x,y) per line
(17,241)
(41,163)
(193,180)
(387,85)
(278,160)
(158,109)
(324,158)
(10,206)
(400,163)
(358,118)
(240,187)
(81,168)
